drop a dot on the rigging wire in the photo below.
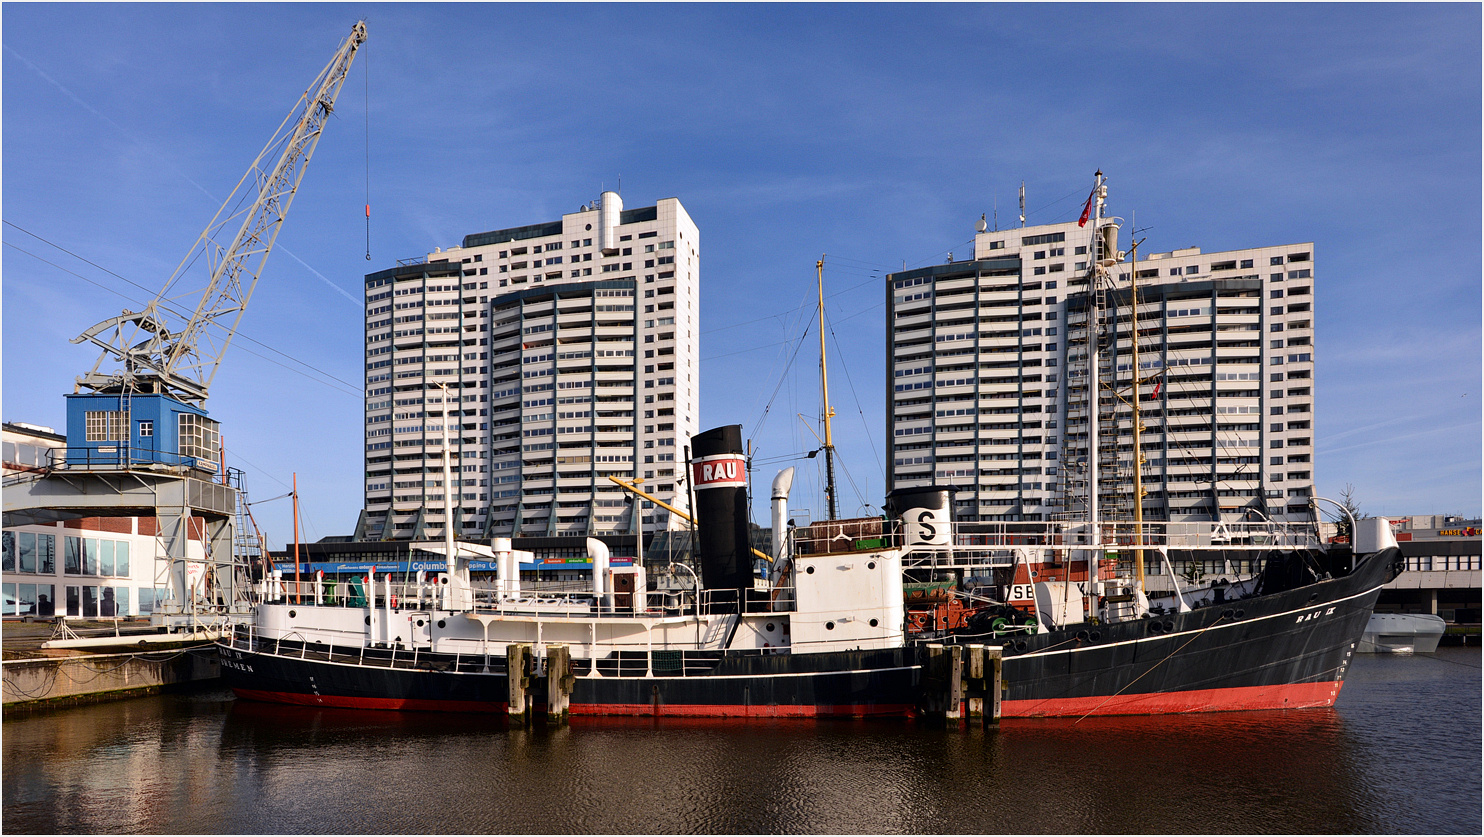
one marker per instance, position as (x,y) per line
(864,424)
(781,379)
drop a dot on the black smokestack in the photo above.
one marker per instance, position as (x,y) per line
(719,474)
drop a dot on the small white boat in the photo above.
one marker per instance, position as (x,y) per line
(1402,633)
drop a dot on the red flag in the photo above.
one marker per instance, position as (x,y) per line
(1157,385)
(1086,209)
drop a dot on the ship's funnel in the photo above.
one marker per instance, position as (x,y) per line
(924,514)
(719,475)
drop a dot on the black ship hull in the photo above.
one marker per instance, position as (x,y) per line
(851,684)
(1283,650)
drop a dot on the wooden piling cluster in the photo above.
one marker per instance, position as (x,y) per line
(962,682)
(524,677)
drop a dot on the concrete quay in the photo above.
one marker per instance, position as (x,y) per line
(36,678)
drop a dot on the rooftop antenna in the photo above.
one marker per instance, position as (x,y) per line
(996,214)
(982,225)
(1022,203)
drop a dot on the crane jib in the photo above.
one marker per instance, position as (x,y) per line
(181,362)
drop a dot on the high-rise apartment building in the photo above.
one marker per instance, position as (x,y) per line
(556,354)
(988,363)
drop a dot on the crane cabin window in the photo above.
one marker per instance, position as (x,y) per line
(199,438)
(105,426)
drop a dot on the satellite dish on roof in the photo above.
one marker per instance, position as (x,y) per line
(982,225)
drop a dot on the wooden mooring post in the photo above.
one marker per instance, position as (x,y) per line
(519,664)
(962,681)
(983,683)
(559,683)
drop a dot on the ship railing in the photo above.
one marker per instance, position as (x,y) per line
(411,596)
(992,542)
(636,661)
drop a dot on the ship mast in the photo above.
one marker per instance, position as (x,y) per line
(1133,275)
(824,379)
(1094,389)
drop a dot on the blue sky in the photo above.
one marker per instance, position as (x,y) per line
(876,134)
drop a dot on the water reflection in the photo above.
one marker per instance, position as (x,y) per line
(206,765)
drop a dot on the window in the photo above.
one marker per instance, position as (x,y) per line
(200,438)
(1299,274)
(1048,238)
(1246,263)
(1276,427)
(146,429)
(1079,251)
(1275,460)
(1040,271)
(1298,257)
(1276,260)
(104,426)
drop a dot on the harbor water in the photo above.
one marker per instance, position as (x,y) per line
(1400,753)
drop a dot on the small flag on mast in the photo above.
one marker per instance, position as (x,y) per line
(1086,208)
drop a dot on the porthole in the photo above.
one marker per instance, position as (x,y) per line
(871,565)
(419,623)
(809,570)
(829,626)
(874,623)
(293,613)
(368,620)
(589,226)
(1082,635)
(1241,613)
(1227,614)
(442,623)
(1155,627)
(1169,626)
(768,627)
(1096,635)
(1020,645)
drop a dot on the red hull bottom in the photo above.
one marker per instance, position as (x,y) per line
(1239,699)
(1291,696)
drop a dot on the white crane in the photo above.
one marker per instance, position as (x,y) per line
(180,362)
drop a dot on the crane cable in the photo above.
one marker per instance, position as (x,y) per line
(366,76)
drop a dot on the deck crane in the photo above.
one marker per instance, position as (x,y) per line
(149,410)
